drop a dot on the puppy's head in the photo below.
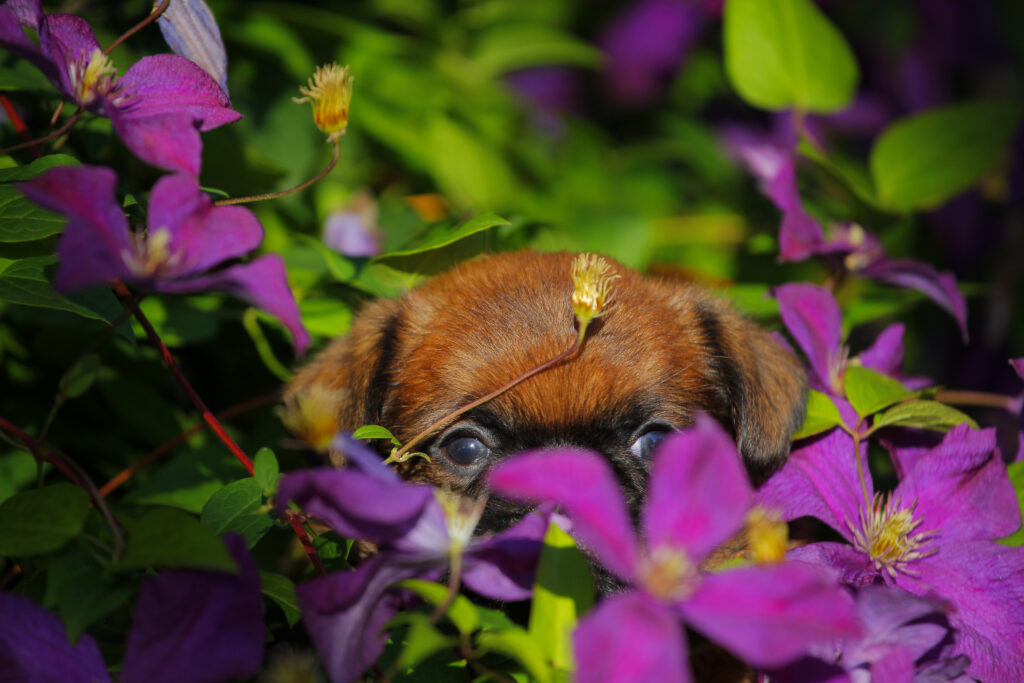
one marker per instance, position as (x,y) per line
(661,352)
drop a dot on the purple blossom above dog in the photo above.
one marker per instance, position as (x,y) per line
(186,237)
(698,497)
(420,531)
(157,107)
(935,534)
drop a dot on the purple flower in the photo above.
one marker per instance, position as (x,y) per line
(698,497)
(420,531)
(34,646)
(352,230)
(934,534)
(186,237)
(813,318)
(157,107)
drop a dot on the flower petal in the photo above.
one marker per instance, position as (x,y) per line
(630,637)
(183,616)
(770,615)
(852,567)
(939,287)
(698,493)
(169,84)
(583,484)
(34,646)
(168,141)
(885,355)
(13,38)
(96,236)
(66,39)
(503,567)
(191,32)
(813,318)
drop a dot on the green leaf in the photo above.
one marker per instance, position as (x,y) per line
(81,592)
(518,45)
(16,174)
(468,170)
(281,590)
(520,645)
(266,471)
(168,537)
(562,592)
(25,282)
(443,235)
(925,415)
(422,640)
(870,391)
(18,469)
(236,509)
(782,54)
(1016,472)
(922,161)
(21,76)
(822,414)
(325,317)
(189,479)
(462,612)
(22,220)
(79,378)
(41,520)
(375,432)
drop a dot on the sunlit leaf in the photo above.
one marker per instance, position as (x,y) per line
(869,391)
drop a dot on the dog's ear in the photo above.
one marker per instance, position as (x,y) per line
(761,387)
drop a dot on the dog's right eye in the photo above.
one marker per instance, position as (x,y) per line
(465,450)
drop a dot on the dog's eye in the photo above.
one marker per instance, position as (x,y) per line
(465,450)
(644,446)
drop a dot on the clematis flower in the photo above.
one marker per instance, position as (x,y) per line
(420,531)
(813,318)
(186,237)
(698,497)
(935,534)
(352,229)
(157,107)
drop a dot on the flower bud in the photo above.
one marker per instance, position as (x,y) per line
(330,92)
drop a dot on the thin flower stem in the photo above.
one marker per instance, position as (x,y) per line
(860,466)
(977,398)
(46,138)
(284,193)
(165,353)
(153,16)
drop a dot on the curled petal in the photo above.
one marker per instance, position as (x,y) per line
(813,318)
(503,567)
(939,287)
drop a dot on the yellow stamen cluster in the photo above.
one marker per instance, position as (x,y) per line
(885,533)
(151,253)
(767,536)
(92,76)
(668,573)
(591,288)
(312,415)
(856,259)
(461,515)
(330,92)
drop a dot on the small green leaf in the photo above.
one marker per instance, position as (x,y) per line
(922,161)
(281,590)
(782,54)
(822,414)
(168,537)
(16,174)
(79,378)
(266,470)
(462,612)
(520,645)
(41,520)
(1016,472)
(422,640)
(870,391)
(375,432)
(925,415)
(236,509)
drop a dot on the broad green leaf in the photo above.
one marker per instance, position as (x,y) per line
(21,76)
(462,612)
(41,520)
(266,471)
(16,174)
(922,161)
(870,391)
(168,537)
(782,54)
(18,469)
(422,640)
(509,46)
(189,479)
(25,282)
(1016,472)
(81,592)
(281,590)
(467,169)
(79,378)
(562,592)
(925,415)
(236,509)
(375,432)
(443,235)
(22,220)
(822,414)
(325,317)
(520,645)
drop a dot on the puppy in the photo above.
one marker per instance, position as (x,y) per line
(661,352)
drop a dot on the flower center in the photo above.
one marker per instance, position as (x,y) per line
(92,76)
(668,573)
(461,516)
(886,534)
(330,91)
(151,254)
(767,536)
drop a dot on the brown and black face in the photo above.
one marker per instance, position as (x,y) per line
(662,352)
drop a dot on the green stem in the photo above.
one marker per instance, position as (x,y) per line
(153,16)
(284,193)
(46,138)
(251,323)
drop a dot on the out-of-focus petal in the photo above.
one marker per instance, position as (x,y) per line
(354,504)
(939,287)
(29,12)
(630,637)
(168,84)
(699,493)
(360,457)
(96,236)
(192,32)
(347,232)
(852,567)
(66,39)
(770,615)
(503,567)
(892,617)
(582,483)
(800,236)
(197,626)
(885,355)
(13,38)
(812,316)
(168,141)
(34,646)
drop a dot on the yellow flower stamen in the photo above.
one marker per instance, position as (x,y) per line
(886,533)
(461,515)
(151,253)
(312,415)
(330,92)
(591,288)
(767,536)
(668,573)
(92,76)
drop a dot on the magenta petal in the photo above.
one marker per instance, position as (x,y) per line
(813,318)
(96,236)
(886,354)
(169,84)
(698,494)
(34,646)
(504,566)
(771,615)
(939,287)
(583,484)
(192,32)
(13,38)
(630,637)
(66,39)
(852,567)
(820,479)
(1018,366)
(168,141)
(262,283)
(29,12)
(203,235)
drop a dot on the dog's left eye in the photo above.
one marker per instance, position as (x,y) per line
(465,450)
(645,444)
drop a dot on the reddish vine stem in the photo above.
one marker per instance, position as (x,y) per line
(153,16)
(46,138)
(284,193)
(307,544)
(976,398)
